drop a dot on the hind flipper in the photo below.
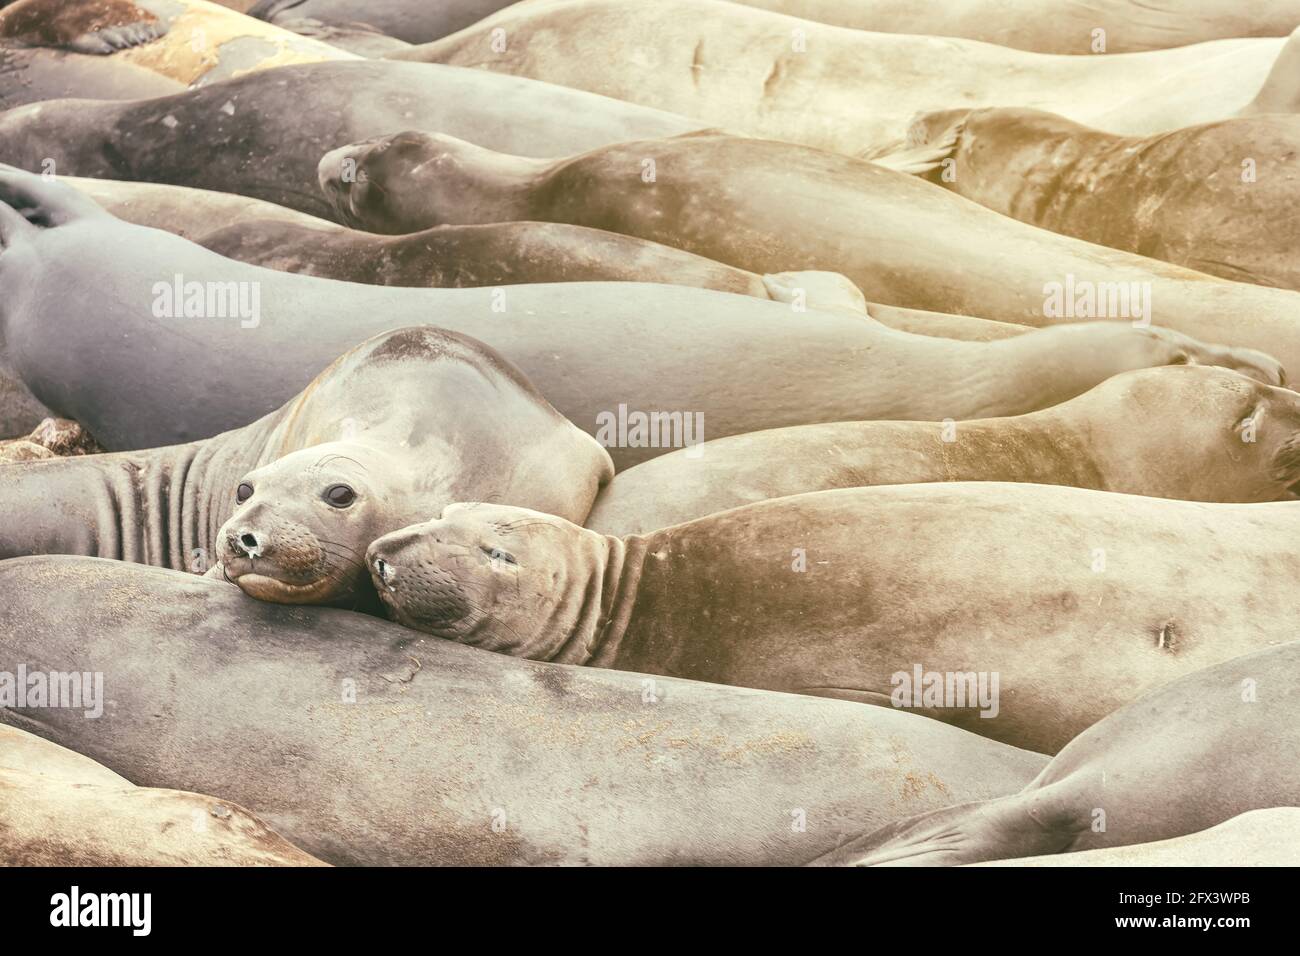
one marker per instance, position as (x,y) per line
(998,829)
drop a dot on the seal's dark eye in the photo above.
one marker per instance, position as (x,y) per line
(497,556)
(340,496)
(243,492)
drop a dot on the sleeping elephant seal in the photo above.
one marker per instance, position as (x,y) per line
(262,135)
(671,357)
(1229,742)
(1046,26)
(393,430)
(363,743)
(58,808)
(1223,198)
(1201,434)
(981,583)
(766,206)
(847,91)
(190,41)
(1256,838)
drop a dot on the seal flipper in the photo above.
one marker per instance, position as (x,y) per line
(111,39)
(998,829)
(1281,90)
(822,290)
(921,152)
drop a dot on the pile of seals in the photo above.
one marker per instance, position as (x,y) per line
(699,432)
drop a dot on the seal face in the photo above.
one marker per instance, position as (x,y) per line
(300,524)
(496,577)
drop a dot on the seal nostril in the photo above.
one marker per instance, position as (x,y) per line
(385,571)
(249,541)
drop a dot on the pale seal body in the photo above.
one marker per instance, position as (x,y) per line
(1220,198)
(497,760)
(783,78)
(1045,26)
(390,432)
(1202,434)
(58,808)
(1058,592)
(1254,838)
(1229,744)
(262,135)
(767,206)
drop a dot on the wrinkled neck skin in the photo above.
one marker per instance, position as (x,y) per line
(1013,161)
(160,507)
(587,626)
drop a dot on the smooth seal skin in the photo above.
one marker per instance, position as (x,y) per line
(1078,599)
(262,135)
(58,808)
(848,91)
(733,363)
(285,507)
(415,21)
(1222,198)
(1047,26)
(1200,434)
(1255,838)
(1229,743)
(499,761)
(32,75)
(190,41)
(766,206)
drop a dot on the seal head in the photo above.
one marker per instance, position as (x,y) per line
(500,578)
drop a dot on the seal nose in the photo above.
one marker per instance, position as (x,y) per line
(248,543)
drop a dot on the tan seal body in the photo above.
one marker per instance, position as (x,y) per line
(1201,434)
(1255,838)
(1228,744)
(190,41)
(780,77)
(1074,601)
(766,206)
(1048,26)
(406,422)
(1222,198)
(58,808)
(497,760)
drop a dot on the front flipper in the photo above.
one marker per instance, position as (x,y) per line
(111,39)
(98,29)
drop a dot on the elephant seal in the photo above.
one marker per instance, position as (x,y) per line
(1219,198)
(1200,434)
(187,212)
(414,21)
(530,763)
(975,582)
(1256,838)
(767,206)
(1228,743)
(262,135)
(58,808)
(671,358)
(1043,26)
(393,430)
(847,91)
(190,41)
